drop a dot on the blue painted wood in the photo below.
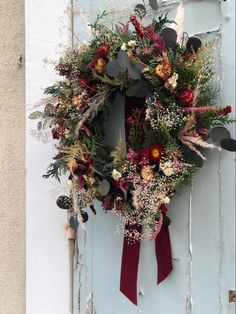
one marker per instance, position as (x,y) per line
(203,215)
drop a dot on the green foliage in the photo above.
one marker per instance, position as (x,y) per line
(161,22)
(56,169)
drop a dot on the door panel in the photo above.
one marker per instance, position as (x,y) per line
(203,214)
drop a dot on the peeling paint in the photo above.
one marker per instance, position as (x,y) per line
(90,307)
(189,301)
(220,239)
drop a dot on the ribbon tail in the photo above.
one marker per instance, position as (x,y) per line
(163,254)
(129,266)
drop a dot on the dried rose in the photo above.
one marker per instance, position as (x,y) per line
(163,208)
(55,134)
(186,97)
(108,202)
(102,51)
(84,82)
(91,64)
(144,156)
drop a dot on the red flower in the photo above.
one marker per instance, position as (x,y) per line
(163,208)
(227,110)
(119,205)
(144,156)
(57,132)
(108,202)
(84,82)
(186,57)
(224,112)
(132,156)
(91,64)
(159,43)
(102,51)
(186,97)
(156,152)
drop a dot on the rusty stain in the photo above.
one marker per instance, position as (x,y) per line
(232,296)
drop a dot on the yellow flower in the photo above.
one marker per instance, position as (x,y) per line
(100,65)
(147,173)
(89,179)
(72,165)
(164,69)
(75,100)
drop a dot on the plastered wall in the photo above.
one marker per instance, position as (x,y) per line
(12,158)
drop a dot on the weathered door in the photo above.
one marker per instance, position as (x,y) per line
(203,216)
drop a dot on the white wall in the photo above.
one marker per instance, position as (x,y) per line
(47,248)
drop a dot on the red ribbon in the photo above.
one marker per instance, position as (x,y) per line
(129,266)
(163,254)
(131,251)
(130,261)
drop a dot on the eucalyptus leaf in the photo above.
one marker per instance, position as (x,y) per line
(140,89)
(35,115)
(49,110)
(140,10)
(134,71)
(123,59)
(104,187)
(45,122)
(170,37)
(64,202)
(39,126)
(113,68)
(153,4)
(74,224)
(84,215)
(217,134)
(228,144)
(193,44)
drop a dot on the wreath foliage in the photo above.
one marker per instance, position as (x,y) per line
(172,114)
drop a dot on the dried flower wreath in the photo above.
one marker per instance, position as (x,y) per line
(171,117)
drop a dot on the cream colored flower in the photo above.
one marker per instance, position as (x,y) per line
(172,81)
(83,47)
(116,175)
(168,171)
(147,173)
(166,164)
(166,200)
(132,43)
(167,168)
(123,46)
